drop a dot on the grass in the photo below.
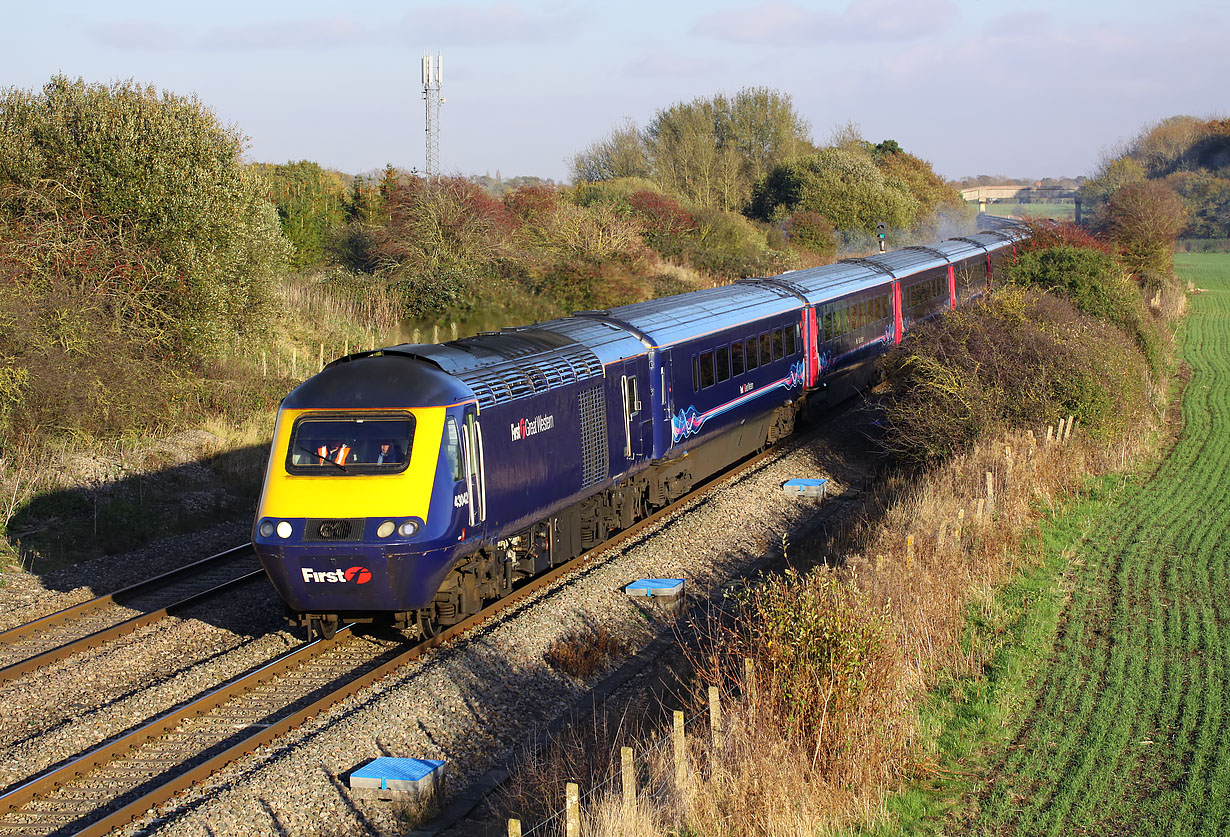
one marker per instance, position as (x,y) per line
(1058,211)
(1121,725)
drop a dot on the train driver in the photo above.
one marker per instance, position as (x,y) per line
(337,452)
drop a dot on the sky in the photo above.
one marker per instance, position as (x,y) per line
(1033,88)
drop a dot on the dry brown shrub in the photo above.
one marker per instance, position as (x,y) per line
(585,652)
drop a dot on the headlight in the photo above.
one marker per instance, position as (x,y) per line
(284,529)
(266,529)
(407,529)
(385,529)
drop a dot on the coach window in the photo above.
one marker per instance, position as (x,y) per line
(766,349)
(753,356)
(706,369)
(791,334)
(736,358)
(779,346)
(723,363)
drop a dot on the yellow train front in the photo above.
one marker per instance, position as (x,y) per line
(365,501)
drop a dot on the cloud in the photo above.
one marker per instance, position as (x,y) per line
(291,34)
(137,34)
(493,23)
(780,22)
(671,65)
(287,34)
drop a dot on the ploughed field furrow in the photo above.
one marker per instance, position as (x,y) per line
(1131,729)
(91,624)
(172,746)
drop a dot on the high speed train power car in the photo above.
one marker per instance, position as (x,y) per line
(413,483)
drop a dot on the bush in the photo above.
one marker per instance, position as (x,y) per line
(1095,284)
(728,246)
(822,653)
(1018,359)
(812,232)
(844,186)
(171,182)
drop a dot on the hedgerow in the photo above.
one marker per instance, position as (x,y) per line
(1016,359)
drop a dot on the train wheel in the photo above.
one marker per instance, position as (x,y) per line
(324,629)
(425,622)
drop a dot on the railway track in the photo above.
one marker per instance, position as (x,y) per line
(118,781)
(98,621)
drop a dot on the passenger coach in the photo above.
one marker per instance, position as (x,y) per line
(413,483)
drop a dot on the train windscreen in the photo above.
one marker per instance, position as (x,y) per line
(367,444)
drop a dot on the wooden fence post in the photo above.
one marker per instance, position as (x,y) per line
(1050,433)
(715,717)
(982,507)
(749,681)
(629,777)
(909,550)
(960,521)
(680,750)
(990,493)
(514,828)
(573,812)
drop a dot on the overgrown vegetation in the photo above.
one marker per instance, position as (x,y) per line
(844,657)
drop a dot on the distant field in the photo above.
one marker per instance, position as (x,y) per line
(1058,211)
(1129,730)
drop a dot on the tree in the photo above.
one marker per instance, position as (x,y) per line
(1144,220)
(844,186)
(712,151)
(621,154)
(927,187)
(310,202)
(170,182)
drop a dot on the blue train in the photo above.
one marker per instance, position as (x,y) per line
(412,484)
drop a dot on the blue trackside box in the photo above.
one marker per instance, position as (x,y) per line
(805,488)
(663,588)
(403,775)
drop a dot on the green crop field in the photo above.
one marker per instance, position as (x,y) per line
(1129,732)
(1058,211)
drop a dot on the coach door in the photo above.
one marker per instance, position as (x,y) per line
(634,411)
(476,475)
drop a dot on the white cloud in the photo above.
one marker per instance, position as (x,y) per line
(137,34)
(493,23)
(780,22)
(668,64)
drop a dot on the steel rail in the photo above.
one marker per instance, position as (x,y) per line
(105,635)
(73,612)
(179,780)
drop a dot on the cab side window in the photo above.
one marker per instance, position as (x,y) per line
(452,450)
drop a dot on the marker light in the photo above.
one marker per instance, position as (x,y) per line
(407,529)
(385,529)
(266,529)
(284,529)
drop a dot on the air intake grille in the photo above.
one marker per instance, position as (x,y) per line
(346,529)
(593,437)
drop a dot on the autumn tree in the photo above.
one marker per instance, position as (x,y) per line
(1144,220)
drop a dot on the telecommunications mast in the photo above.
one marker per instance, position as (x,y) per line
(433,78)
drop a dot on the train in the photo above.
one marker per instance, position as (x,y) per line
(411,485)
